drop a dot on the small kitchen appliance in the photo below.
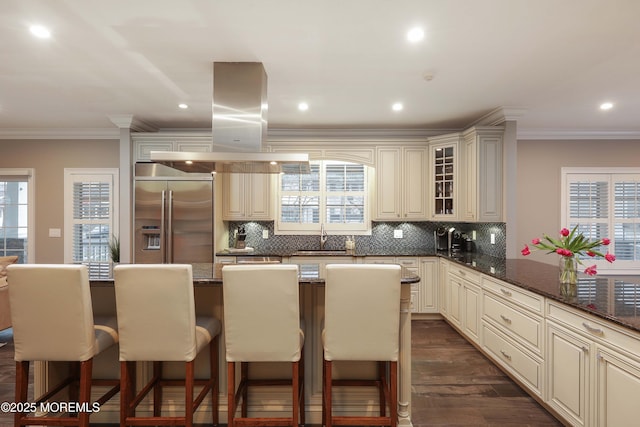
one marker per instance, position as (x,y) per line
(441,238)
(241,236)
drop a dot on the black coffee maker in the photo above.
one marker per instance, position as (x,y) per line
(441,238)
(456,241)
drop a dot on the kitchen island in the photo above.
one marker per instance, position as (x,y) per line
(270,402)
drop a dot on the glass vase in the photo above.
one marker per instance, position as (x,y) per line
(568,276)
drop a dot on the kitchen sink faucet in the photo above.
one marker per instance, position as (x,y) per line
(323,236)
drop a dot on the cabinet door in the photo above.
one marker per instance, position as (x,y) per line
(470,178)
(233,196)
(455,294)
(617,391)
(444,181)
(568,367)
(258,193)
(443,288)
(471,319)
(388,184)
(428,285)
(414,194)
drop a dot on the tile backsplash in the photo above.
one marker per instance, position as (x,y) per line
(415,236)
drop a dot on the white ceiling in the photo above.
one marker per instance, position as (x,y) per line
(349,59)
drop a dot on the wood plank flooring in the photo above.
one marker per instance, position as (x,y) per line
(453,384)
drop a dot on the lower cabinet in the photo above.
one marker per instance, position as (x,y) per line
(594,369)
(583,367)
(463,298)
(424,294)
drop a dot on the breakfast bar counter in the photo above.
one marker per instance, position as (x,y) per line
(274,401)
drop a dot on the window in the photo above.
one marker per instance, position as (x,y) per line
(334,193)
(91,206)
(16,214)
(606,203)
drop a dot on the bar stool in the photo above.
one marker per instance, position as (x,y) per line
(262,324)
(52,320)
(157,322)
(362,321)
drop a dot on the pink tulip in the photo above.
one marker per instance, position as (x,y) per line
(606,241)
(591,253)
(526,251)
(610,257)
(564,232)
(591,271)
(535,241)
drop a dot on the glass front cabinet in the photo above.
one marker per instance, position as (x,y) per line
(444,179)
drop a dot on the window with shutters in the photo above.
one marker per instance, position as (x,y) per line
(91,206)
(16,214)
(605,203)
(334,193)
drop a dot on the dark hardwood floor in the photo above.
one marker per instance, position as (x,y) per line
(453,383)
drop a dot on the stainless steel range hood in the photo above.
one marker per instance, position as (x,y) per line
(239,127)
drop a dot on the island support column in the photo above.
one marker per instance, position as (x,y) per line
(404,374)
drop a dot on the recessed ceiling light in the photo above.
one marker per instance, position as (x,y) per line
(606,106)
(397,106)
(273,163)
(40,31)
(414,35)
(189,162)
(183,106)
(303,106)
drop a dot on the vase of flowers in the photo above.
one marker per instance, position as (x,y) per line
(571,246)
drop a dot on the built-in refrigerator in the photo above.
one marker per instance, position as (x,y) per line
(173,216)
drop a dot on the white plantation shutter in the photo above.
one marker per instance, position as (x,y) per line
(90,219)
(333,194)
(605,204)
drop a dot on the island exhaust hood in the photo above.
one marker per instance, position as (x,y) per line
(239,127)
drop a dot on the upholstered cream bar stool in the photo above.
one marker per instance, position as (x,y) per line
(157,323)
(52,319)
(262,324)
(362,321)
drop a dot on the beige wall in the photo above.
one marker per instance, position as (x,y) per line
(49,158)
(538,175)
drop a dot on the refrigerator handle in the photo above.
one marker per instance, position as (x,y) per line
(170,228)
(163,240)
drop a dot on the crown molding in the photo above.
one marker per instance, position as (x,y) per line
(325,134)
(499,116)
(127,121)
(568,134)
(89,133)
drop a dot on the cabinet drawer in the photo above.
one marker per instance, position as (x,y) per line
(408,262)
(465,273)
(597,329)
(526,368)
(523,328)
(514,294)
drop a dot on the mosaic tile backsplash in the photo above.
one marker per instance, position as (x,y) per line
(416,236)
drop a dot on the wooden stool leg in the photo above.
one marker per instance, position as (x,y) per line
(382,387)
(231,393)
(213,368)
(393,398)
(86,368)
(157,389)
(301,382)
(188,394)
(327,393)
(295,393)
(22,387)
(244,377)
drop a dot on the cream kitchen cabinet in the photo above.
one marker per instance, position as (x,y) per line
(513,331)
(444,177)
(145,143)
(247,197)
(464,300)
(424,294)
(315,266)
(401,179)
(482,174)
(594,368)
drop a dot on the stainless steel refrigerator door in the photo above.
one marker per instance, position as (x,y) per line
(149,222)
(190,222)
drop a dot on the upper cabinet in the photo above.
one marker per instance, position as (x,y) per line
(401,177)
(482,172)
(444,176)
(145,143)
(246,197)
